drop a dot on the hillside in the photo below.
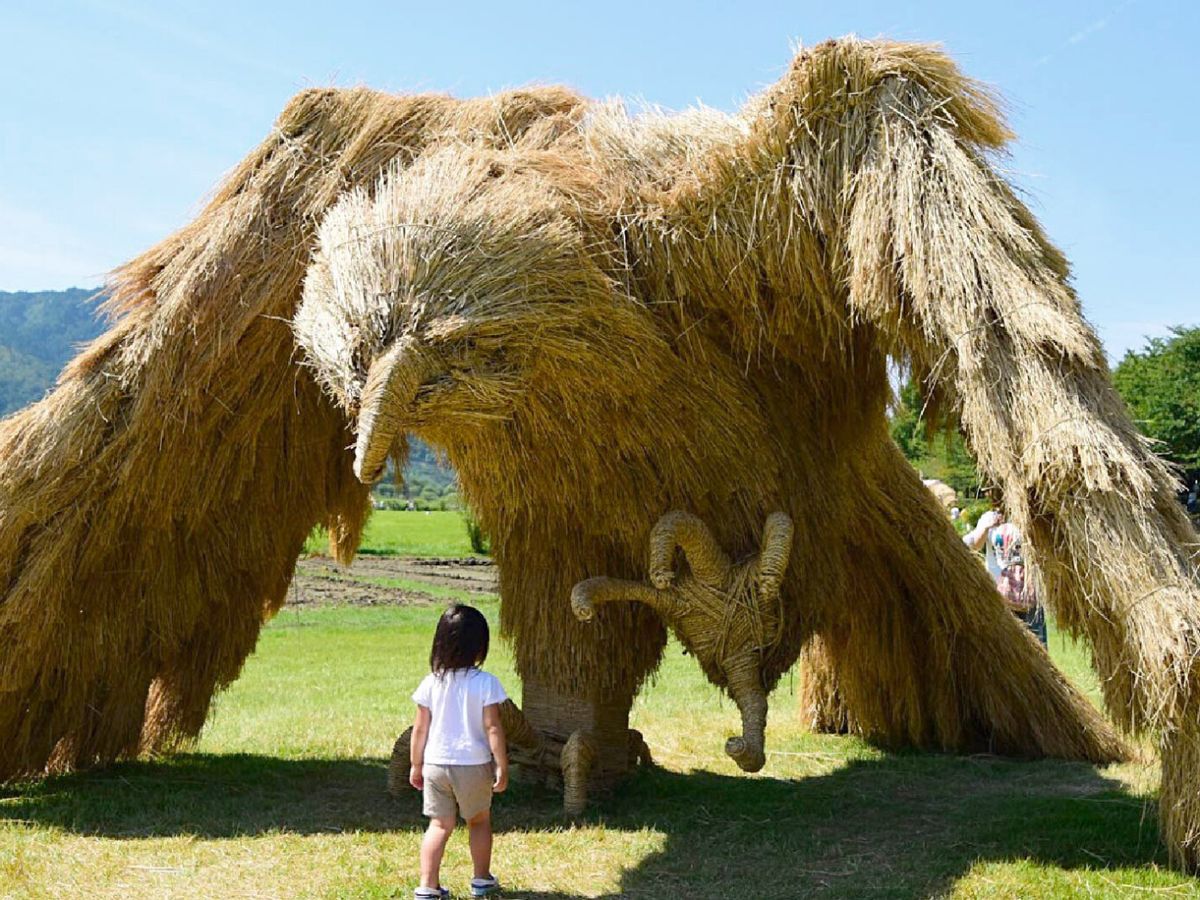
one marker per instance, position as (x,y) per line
(39,332)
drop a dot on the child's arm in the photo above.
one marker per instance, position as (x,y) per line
(416,747)
(495,736)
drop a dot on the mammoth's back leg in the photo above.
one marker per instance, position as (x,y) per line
(922,651)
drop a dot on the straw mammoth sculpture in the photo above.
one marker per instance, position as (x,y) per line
(601,318)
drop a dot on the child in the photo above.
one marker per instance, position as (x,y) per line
(459,756)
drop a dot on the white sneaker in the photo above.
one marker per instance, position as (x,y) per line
(483,887)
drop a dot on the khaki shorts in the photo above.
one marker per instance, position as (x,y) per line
(466,790)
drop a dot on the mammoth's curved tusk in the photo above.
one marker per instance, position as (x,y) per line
(774,554)
(587,594)
(391,385)
(709,563)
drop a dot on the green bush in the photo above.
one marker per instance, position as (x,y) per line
(1161,386)
(480,542)
(934,453)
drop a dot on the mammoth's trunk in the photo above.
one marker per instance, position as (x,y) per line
(746,688)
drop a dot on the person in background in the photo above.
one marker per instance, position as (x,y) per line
(1005,561)
(976,539)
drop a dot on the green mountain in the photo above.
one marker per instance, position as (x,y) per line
(39,332)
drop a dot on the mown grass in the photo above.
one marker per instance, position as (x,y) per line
(283,796)
(396,533)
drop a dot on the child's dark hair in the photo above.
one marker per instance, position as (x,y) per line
(460,641)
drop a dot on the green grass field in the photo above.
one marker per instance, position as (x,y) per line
(284,796)
(389,532)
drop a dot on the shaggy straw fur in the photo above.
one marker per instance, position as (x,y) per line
(600,319)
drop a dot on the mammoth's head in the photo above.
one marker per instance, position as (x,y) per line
(456,290)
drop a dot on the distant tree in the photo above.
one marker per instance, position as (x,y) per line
(23,379)
(480,542)
(942,454)
(1161,385)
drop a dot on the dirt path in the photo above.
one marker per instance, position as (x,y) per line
(319,581)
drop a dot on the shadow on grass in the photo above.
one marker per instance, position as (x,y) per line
(903,826)
(227,796)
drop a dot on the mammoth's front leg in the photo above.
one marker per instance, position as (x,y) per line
(746,688)
(577,677)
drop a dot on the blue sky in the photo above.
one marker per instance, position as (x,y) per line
(121,115)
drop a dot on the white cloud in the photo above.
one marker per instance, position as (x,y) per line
(1085,32)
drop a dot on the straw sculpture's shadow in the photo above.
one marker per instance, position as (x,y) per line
(906,825)
(214,796)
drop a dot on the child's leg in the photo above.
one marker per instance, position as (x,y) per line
(433,845)
(480,828)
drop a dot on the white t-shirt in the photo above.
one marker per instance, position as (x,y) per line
(986,522)
(456,700)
